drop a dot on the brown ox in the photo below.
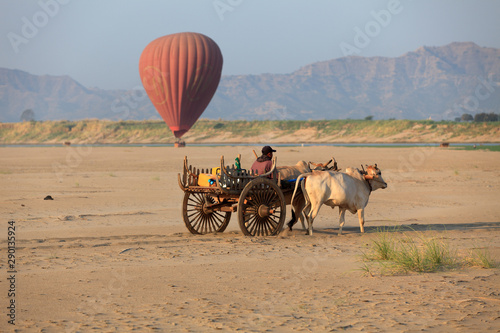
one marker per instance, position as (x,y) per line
(293,171)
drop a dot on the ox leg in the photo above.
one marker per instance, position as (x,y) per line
(307,214)
(307,210)
(341,220)
(311,214)
(309,227)
(293,220)
(297,210)
(298,206)
(302,220)
(361,217)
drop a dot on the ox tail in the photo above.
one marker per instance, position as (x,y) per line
(291,223)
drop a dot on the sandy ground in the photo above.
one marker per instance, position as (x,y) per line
(111,253)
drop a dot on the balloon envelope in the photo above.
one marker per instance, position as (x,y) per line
(180,73)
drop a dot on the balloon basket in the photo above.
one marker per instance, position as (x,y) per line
(179,144)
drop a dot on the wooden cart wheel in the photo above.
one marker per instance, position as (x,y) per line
(198,219)
(261,208)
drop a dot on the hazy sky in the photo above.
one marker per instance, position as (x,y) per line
(99,42)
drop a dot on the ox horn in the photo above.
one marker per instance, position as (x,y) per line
(335,166)
(320,165)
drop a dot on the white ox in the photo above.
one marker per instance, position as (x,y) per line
(348,191)
(294,171)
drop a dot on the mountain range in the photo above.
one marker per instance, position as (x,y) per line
(431,82)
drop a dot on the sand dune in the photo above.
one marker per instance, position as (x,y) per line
(111,252)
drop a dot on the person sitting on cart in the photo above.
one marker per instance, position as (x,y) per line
(264,163)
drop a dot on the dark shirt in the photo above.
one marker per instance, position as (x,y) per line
(262,165)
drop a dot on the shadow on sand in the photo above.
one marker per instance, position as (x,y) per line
(414,227)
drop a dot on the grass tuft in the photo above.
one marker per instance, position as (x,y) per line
(400,254)
(383,247)
(481,258)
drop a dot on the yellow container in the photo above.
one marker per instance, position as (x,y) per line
(206,179)
(215,171)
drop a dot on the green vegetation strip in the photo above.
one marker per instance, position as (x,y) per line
(393,253)
(319,131)
(479,147)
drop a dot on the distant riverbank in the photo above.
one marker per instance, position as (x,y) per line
(220,131)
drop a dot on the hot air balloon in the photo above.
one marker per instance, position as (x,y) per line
(180,73)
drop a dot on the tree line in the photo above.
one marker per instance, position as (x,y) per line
(478,117)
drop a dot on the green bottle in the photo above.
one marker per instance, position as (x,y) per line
(237,163)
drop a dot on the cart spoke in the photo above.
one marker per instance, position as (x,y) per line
(196,221)
(263,227)
(196,213)
(218,218)
(260,195)
(270,229)
(271,220)
(268,196)
(274,203)
(207,224)
(257,227)
(199,225)
(253,223)
(260,231)
(193,203)
(266,228)
(219,215)
(213,222)
(197,198)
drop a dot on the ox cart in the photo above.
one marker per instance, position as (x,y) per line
(259,200)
